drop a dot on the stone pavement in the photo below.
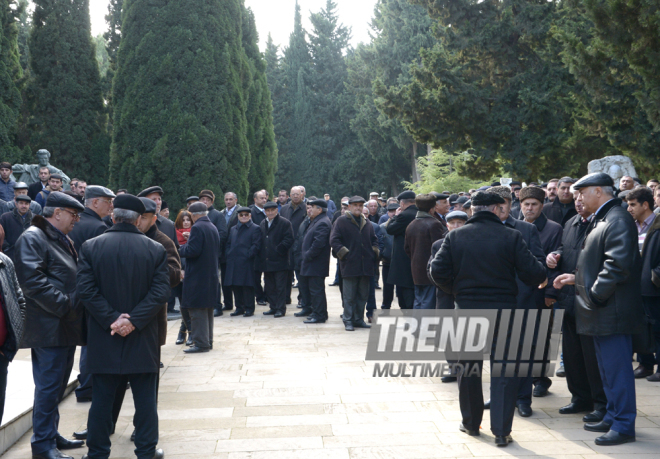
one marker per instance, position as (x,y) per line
(276,388)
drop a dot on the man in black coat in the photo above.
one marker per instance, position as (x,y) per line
(46,264)
(481,274)
(275,258)
(608,303)
(123,292)
(200,291)
(562,209)
(315,264)
(21,189)
(259,215)
(35,188)
(218,220)
(400,268)
(578,351)
(15,223)
(296,212)
(231,218)
(354,243)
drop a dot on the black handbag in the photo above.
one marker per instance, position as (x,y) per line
(644,342)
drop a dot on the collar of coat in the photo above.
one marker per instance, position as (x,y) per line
(91,213)
(607,207)
(360,225)
(25,222)
(652,229)
(151,232)
(484,216)
(422,214)
(124,228)
(41,223)
(540,222)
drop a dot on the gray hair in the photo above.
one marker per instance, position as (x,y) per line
(233,194)
(489,208)
(125,216)
(608,190)
(198,214)
(407,201)
(48,212)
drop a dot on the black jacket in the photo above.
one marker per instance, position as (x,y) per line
(296,216)
(400,266)
(479,261)
(89,226)
(550,235)
(233,219)
(123,271)
(386,253)
(529,296)
(651,260)
(442,300)
(608,276)
(200,289)
(14,225)
(571,246)
(218,220)
(316,248)
(355,246)
(165,225)
(257,215)
(243,248)
(34,189)
(276,244)
(13,307)
(296,252)
(46,269)
(553,211)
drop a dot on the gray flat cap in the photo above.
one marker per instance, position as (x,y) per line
(96,191)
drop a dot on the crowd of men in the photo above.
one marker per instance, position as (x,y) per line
(93,268)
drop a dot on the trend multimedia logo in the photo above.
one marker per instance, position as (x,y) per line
(517,342)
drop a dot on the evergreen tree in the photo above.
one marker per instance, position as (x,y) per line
(260,133)
(179,108)
(10,73)
(67,113)
(112,39)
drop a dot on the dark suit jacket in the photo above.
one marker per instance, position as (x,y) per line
(400,266)
(34,189)
(200,289)
(316,248)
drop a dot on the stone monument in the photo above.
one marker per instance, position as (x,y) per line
(614,166)
(29,173)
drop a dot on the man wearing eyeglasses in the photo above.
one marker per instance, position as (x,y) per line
(46,264)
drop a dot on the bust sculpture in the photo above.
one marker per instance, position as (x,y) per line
(29,173)
(614,166)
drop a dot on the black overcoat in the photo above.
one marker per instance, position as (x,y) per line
(571,246)
(550,235)
(123,271)
(257,215)
(243,248)
(200,289)
(651,260)
(296,252)
(316,248)
(89,226)
(400,267)
(218,219)
(14,225)
(276,244)
(355,244)
(552,210)
(529,296)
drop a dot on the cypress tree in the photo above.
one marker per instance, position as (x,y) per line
(179,108)
(10,73)
(67,114)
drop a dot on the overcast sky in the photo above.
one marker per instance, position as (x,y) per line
(276,17)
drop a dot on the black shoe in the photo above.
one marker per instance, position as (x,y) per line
(642,372)
(133,436)
(377,287)
(655,377)
(181,338)
(237,313)
(52,454)
(503,440)
(294,286)
(189,342)
(448,379)
(159,454)
(227,308)
(83,399)
(262,303)
(303,313)
(196,350)
(288,301)
(361,324)
(313,320)
(487,405)
(349,327)
(573,408)
(612,438)
(217,312)
(601,426)
(270,312)
(65,443)
(525,411)
(595,416)
(278,314)
(334,284)
(81,435)
(540,391)
(561,372)
(472,433)
(161,365)
(248,314)
(299,306)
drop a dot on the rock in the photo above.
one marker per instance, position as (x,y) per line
(615,166)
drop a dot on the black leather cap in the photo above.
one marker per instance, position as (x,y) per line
(406,195)
(319,202)
(152,189)
(243,209)
(59,199)
(595,179)
(150,205)
(129,202)
(198,207)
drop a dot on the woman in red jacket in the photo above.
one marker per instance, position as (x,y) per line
(182,224)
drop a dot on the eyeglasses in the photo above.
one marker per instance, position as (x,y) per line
(107,201)
(75,215)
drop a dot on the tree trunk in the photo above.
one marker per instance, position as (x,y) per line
(415,173)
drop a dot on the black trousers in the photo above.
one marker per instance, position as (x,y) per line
(244,298)
(276,282)
(84,388)
(406,297)
(303,294)
(388,289)
(51,369)
(144,387)
(314,289)
(226,290)
(356,293)
(582,373)
(201,322)
(258,289)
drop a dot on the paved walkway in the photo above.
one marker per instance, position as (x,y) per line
(276,388)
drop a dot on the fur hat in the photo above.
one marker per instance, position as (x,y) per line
(532,192)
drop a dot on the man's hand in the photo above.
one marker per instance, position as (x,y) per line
(549,302)
(397,211)
(564,279)
(122,326)
(552,260)
(183,274)
(543,285)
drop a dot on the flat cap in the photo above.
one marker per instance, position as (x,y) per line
(23,197)
(357,200)
(495,184)
(595,179)
(242,209)
(502,191)
(270,205)
(481,198)
(425,202)
(21,186)
(208,193)
(344,203)
(320,203)
(567,180)
(373,193)
(129,202)
(456,214)
(150,205)
(439,196)
(198,207)
(163,205)
(96,191)
(59,199)
(462,200)
(533,192)
(406,195)
(56,176)
(392,206)
(467,204)
(515,182)
(483,188)
(192,198)
(152,189)
(453,198)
